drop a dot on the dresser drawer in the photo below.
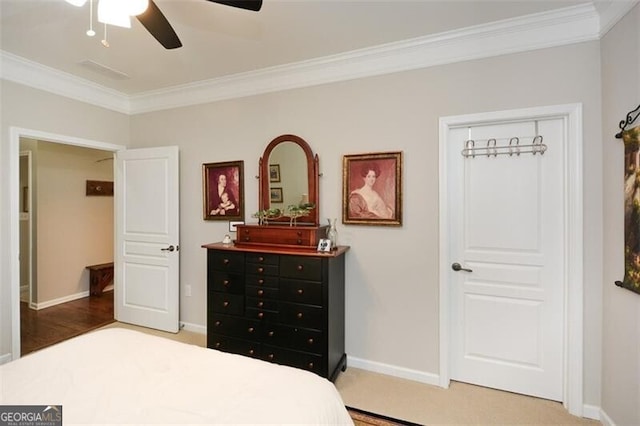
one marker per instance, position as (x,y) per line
(296,315)
(228,283)
(261,270)
(309,292)
(261,314)
(263,258)
(281,235)
(259,303)
(302,339)
(236,346)
(262,292)
(303,360)
(241,327)
(227,303)
(265,281)
(301,267)
(228,261)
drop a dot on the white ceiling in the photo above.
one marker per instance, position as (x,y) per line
(220,41)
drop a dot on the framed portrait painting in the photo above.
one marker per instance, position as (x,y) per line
(223,190)
(372,189)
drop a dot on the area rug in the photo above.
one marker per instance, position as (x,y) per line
(365,418)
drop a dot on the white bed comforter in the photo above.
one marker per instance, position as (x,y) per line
(123,376)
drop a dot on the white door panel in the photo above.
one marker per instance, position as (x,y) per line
(507,227)
(147,238)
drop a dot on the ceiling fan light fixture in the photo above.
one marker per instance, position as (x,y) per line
(136,7)
(113,12)
(77,3)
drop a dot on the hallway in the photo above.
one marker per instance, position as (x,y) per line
(45,327)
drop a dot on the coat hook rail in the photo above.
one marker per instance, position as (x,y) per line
(631,117)
(492,149)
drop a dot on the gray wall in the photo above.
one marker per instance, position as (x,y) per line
(392,289)
(621,308)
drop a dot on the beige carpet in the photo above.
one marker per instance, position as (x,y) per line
(461,404)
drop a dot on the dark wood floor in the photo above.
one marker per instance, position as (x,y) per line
(51,325)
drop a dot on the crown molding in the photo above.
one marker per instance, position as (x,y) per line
(20,70)
(564,26)
(611,12)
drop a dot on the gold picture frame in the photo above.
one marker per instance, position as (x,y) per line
(372,189)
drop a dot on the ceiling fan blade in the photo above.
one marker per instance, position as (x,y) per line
(254,5)
(155,22)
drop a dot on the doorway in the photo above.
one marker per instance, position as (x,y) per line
(475,233)
(15,134)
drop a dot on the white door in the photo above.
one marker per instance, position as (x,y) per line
(147,263)
(506,227)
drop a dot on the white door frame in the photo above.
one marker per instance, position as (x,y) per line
(15,133)
(573,279)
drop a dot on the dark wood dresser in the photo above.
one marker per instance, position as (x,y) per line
(278,304)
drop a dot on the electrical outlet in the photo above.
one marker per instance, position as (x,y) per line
(187,290)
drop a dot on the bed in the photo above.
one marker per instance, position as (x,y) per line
(118,375)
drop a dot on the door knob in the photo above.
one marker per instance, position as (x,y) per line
(170,248)
(456,267)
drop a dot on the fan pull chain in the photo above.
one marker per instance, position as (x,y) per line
(105,43)
(90,31)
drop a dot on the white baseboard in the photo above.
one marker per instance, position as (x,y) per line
(591,412)
(605,419)
(395,371)
(5,358)
(60,300)
(195,328)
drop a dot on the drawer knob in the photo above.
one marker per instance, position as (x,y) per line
(217,323)
(250,329)
(271,357)
(270,334)
(218,344)
(225,261)
(260,304)
(225,303)
(260,315)
(300,291)
(260,259)
(247,239)
(260,281)
(310,341)
(225,283)
(310,365)
(299,241)
(300,268)
(260,292)
(299,315)
(260,270)
(251,352)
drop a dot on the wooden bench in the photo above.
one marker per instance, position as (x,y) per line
(99,277)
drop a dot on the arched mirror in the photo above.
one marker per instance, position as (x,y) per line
(289,176)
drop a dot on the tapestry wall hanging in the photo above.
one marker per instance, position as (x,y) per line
(631,139)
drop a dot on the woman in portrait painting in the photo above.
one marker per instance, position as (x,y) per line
(365,202)
(222,200)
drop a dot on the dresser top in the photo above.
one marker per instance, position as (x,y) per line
(277,250)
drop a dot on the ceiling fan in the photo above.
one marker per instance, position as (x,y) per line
(155,22)
(118,12)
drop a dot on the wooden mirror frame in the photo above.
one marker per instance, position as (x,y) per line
(264,197)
